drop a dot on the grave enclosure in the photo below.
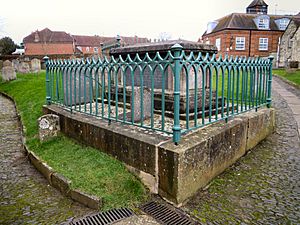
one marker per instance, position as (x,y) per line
(172,112)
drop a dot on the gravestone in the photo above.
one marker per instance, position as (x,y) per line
(8,73)
(35,65)
(48,126)
(135,103)
(24,67)
(7,63)
(16,64)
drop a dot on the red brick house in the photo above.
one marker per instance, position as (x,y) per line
(61,44)
(254,33)
(47,42)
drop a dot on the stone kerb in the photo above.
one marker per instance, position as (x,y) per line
(8,72)
(48,126)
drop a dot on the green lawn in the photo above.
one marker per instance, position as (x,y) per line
(89,169)
(294,77)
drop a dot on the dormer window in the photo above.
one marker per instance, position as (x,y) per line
(262,22)
(282,23)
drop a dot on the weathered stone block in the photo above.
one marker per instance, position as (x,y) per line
(8,73)
(260,125)
(61,183)
(43,168)
(49,126)
(199,157)
(90,201)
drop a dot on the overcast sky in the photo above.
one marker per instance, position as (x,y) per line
(182,19)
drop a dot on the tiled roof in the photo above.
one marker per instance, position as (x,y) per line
(257,3)
(244,21)
(48,36)
(82,40)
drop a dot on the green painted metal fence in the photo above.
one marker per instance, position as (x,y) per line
(170,93)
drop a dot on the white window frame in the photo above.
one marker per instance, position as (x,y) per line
(283,23)
(87,49)
(218,44)
(240,43)
(263,23)
(95,50)
(263,44)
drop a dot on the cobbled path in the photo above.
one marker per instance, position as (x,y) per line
(264,186)
(25,196)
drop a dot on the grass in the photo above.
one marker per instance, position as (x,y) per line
(89,169)
(294,77)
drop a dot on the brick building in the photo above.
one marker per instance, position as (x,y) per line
(47,42)
(290,44)
(254,33)
(62,44)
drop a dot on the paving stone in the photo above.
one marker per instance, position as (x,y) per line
(269,177)
(25,195)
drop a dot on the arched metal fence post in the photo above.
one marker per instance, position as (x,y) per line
(48,97)
(176,127)
(269,96)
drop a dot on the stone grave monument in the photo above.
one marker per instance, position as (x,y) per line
(35,65)
(8,72)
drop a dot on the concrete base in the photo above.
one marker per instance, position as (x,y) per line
(174,172)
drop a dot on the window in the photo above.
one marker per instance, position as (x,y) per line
(263,44)
(283,23)
(263,23)
(95,50)
(87,49)
(218,43)
(240,43)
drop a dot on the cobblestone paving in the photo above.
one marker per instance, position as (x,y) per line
(264,186)
(25,196)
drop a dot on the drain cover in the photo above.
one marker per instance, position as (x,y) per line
(104,218)
(166,215)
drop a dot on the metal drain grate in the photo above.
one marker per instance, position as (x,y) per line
(104,218)
(166,215)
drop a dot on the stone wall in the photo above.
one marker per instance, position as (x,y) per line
(289,45)
(176,172)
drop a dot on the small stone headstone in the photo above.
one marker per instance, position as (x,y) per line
(16,64)
(136,102)
(24,67)
(8,73)
(48,126)
(7,63)
(35,65)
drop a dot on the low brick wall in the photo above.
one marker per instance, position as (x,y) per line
(175,172)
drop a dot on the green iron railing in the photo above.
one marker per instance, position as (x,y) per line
(169,92)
